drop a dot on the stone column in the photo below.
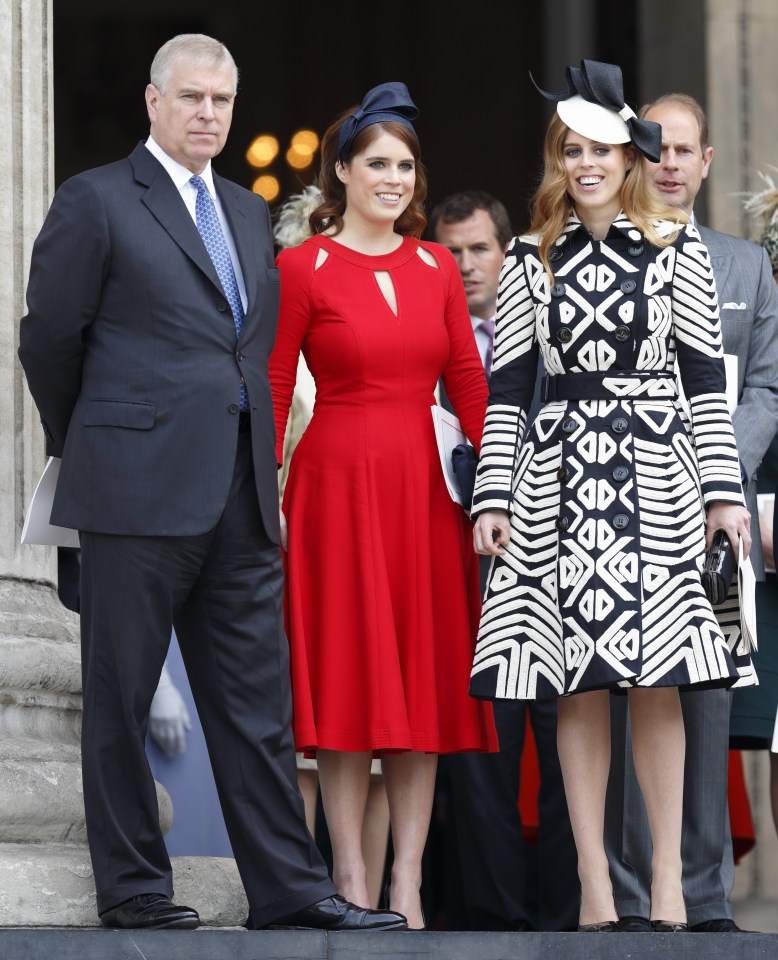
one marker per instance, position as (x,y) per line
(45,871)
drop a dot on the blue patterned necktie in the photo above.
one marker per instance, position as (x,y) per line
(210,230)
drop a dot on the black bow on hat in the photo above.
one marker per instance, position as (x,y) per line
(387,101)
(602,83)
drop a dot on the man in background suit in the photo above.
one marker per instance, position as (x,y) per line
(152,309)
(748,301)
(485,787)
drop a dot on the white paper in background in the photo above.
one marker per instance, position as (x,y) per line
(37,529)
(747,589)
(730,368)
(766,504)
(774,747)
(448,433)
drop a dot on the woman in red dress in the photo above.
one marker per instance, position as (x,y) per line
(382,596)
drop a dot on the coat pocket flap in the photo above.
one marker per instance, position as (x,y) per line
(120,413)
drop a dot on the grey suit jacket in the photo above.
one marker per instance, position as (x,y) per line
(130,352)
(748,301)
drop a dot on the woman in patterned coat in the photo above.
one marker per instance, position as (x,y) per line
(597,515)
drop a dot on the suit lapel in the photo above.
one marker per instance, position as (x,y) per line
(166,205)
(722,263)
(240,228)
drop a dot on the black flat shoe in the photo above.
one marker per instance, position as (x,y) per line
(150,910)
(722,925)
(607,926)
(337,913)
(668,926)
(633,924)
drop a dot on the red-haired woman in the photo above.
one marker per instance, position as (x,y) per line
(382,585)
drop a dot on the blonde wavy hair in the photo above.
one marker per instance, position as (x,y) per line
(552,206)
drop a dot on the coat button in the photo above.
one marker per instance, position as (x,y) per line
(558,290)
(619,425)
(238,356)
(569,425)
(620,474)
(628,286)
(621,521)
(221,306)
(233,408)
(635,249)
(563,474)
(555,254)
(622,333)
(564,335)
(562,523)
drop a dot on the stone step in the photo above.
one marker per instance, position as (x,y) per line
(206,944)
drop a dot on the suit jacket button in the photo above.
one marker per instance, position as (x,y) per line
(233,408)
(629,286)
(221,306)
(619,425)
(620,474)
(562,523)
(622,333)
(558,290)
(564,335)
(621,521)
(238,356)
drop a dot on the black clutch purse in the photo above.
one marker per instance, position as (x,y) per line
(719,568)
(464,460)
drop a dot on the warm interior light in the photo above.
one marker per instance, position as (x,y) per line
(263,150)
(298,160)
(267,186)
(305,141)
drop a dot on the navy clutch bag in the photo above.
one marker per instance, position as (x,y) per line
(464,460)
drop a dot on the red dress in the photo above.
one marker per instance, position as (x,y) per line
(382,592)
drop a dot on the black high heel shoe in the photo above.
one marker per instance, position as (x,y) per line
(668,926)
(421,908)
(606,926)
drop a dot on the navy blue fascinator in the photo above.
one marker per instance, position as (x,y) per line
(594,107)
(387,101)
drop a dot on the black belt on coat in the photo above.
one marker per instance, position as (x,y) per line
(609,385)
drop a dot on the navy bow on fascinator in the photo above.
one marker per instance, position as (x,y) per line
(387,101)
(594,107)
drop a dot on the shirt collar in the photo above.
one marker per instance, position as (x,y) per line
(179,173)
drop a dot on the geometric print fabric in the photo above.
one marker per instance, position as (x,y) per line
(599,586)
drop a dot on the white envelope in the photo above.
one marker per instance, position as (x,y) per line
(37,528)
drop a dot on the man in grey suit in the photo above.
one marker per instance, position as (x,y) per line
(152,308)
(748,301)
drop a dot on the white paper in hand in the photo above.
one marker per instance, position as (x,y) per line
(747,589)
(37,528)
(448,434)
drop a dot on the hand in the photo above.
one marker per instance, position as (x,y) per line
(168,718)
(284,531)
(733,519)
(766,511)
(492,533)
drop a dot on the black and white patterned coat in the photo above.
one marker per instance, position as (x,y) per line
(600,584)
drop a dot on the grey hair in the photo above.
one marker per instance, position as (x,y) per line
(198,49)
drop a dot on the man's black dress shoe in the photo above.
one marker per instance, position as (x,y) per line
(337,913)
(723,925)
(150,910)
(633,924)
